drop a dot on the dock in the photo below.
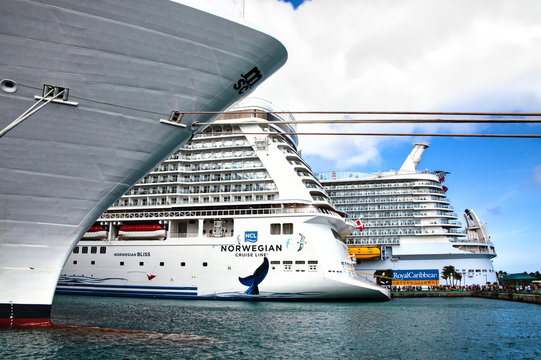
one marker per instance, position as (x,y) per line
(532,298)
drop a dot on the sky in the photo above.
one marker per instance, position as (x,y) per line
(432,55)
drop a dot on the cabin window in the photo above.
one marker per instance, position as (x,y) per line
(92,262)
(122,263)
(141,263)
(183,264)
(103,250)
(94,250)
(84,250)
(76,250)
(162,263)
(299,262)
(205,264)
(287,228)
(275,229)
(74,262)
(275,262)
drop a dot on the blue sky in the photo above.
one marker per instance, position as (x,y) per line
(422,55)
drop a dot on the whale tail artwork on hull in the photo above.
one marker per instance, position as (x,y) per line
(254,280)
(93,96)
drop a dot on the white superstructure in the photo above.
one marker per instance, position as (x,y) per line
(234,214)
(93,95)
(410,226)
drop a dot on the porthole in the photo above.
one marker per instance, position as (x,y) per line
(8,86)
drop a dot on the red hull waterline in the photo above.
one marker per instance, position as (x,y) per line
(13,315)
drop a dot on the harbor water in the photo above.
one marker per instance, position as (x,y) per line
(418,328)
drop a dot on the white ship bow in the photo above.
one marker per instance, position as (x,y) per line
(128,70)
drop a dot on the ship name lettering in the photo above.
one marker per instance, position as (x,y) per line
(248,80)
(251,248)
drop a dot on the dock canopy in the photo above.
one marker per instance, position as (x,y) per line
(516,279)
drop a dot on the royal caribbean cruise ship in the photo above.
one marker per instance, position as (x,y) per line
(234,214)
(407,225)
(93,95)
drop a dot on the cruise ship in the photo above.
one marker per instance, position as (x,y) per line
(93,95)
(407,225)
(234,214)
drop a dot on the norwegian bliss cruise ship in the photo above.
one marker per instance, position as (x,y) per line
(234,214)
(409,227)
(93,95)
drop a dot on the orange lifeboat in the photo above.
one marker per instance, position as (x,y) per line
(365,253)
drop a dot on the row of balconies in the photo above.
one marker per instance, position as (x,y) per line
(349,208)
(203,189)
(246,176)
(373,241)
(199,145)
(123,202)
(204,167)
(381,185)
(398,214)
(406,231)
(348,194)
(417,223)
(390,200)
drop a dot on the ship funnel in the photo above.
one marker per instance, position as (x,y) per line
(414,158)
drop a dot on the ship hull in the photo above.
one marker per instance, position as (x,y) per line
(310,264)
(476,269)
(126,65)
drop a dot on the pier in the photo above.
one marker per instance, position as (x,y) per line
(532,298)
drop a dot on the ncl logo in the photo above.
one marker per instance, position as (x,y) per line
(250,236)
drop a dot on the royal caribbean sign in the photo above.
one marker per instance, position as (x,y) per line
(416,277)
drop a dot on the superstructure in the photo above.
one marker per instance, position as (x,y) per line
(409,226)
(234,214)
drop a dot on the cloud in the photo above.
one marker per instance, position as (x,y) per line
(400,56)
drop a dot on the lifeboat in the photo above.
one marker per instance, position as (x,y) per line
(95,233)
(365,253)
(141,232)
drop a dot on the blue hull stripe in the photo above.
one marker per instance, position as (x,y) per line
(120,292)
(67,284)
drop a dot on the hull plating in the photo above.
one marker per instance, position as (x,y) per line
(126,67)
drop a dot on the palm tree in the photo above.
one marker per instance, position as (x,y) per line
(457,276)
(501,275)
(447,273)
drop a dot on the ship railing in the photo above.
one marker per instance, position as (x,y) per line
(470,241)
(173,214)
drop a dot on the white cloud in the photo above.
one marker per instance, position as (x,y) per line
(389,55)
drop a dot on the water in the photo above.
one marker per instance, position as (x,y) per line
(424,328)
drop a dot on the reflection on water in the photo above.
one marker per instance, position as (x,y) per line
(425,328)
